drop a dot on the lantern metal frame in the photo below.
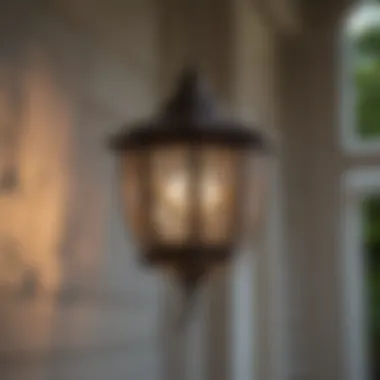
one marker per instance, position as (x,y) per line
(189,118)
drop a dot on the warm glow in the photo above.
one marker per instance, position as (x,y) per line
(212,193)
(170,178)
(175,200)
(219,178)
(175,191)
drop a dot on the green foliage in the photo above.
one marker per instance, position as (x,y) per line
(367,81)
(366,76)
(368,43)
(371,213)
(371,208)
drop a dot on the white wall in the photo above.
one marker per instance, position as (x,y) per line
(78,70)
(94,312)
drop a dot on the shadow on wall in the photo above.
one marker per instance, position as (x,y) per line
(55,184)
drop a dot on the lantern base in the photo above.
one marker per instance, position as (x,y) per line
(190,264)
(168,255)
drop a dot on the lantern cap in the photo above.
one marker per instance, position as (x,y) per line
(191,103)
(189,116)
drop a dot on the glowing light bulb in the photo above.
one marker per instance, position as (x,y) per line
(175,190)
(211,194)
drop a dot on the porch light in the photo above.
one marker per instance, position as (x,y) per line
(186,183)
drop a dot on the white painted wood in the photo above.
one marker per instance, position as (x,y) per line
(108,305)
(287,14)
(280,15)
(357,184)
(94,315)
(243,320)
(277,277)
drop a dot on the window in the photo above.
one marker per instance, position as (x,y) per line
(360,94)
(371,250)
(361,79)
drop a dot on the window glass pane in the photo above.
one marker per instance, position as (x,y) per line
(219,180)
(367,83)
(171,194)
(364,71)
(371,212)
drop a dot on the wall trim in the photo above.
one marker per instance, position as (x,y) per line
(279,15)
(356,185)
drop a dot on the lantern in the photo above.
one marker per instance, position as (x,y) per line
(185,180)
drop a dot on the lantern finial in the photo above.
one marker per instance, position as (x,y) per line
(191,102)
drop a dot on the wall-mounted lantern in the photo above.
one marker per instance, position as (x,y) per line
(185,179)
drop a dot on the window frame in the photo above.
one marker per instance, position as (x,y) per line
(357,182)
(351,142)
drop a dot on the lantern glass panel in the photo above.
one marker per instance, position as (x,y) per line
(171,199)
(220,181)
(179,195)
